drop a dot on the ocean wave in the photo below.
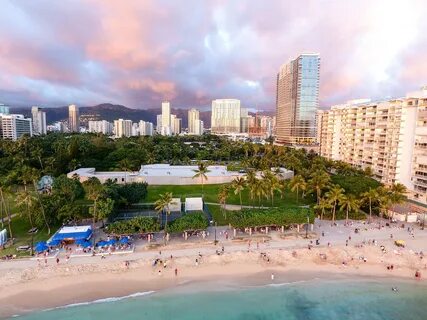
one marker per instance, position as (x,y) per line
(104,300)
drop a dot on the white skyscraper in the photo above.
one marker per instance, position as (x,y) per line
(122,128)
(193,116)
(198,127)
(166,119)
(73,118)
(13,126)
(145,128)
(159,124)
(39,120)
(225,116)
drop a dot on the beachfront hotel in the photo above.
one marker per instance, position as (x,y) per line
(297,100)
(73,118)
(389,136)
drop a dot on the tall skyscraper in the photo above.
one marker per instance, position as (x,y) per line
(199,127)
(193,116)
(159,124)
(166,119)
(297,100)
(73,118)
(122,128)
(39,120)
(13,126)
(225,116)
(177,126)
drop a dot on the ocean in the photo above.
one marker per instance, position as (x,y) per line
(306,300)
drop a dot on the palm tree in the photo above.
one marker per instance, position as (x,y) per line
(201,172)
(283,187)
(349,203)
(259,190)
(239,184)
(296,183)
(397,195)
(94,190)
(222,198)
(162,205)
(126,166)
(368,197)
(3,207)
(322,206)
(272,183)
(319,180)
(26,199)
(334,195)
(385,199)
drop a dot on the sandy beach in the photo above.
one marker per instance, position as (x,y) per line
(29,285)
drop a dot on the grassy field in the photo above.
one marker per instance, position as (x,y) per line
(20,227)
(211,195)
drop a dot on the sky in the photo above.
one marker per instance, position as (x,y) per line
(139,53)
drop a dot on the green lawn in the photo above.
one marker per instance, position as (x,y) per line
(20,227)
(211,195)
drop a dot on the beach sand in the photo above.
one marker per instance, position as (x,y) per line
(32,288)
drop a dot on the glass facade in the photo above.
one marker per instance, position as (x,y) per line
(297,100)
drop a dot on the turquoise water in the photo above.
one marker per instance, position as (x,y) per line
(317,299)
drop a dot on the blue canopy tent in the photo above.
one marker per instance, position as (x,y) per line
(111,242)
(102,244)
(54,243)
(73,233)
(41,246)
(124,240)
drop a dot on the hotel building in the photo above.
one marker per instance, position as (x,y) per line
(101,126)
(390,137)
(13,126)
(73,118)
(226,114)
(297,100)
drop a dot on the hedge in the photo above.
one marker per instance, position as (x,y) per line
(134,225)
(190,221)
(269,217)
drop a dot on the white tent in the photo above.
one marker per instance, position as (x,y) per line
(193,204)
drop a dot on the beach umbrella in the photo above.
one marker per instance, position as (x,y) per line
(101,244)
(86,244)
(124,240)
(41,246)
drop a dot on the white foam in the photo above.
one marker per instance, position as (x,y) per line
(104,300)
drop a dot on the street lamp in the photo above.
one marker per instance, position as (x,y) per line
(215,233)
(306,229)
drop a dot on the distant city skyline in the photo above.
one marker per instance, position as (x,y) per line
(191,57)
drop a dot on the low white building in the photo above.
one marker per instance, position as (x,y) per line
(160,174)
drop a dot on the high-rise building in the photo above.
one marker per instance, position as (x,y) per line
(225,116)
(13,126)
(166,119)
(101,126)
(135,129)
(39,120)
(145,128)
(122,128)
(297,100)
(4,109)
(159,124)
(73,118)
(193,116)
(198,127)
(390,137)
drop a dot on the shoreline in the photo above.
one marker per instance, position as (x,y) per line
(41,288)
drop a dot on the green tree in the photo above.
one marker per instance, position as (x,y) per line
(297,183)
(334,196)
(368,197)
(323,205)
(162,205)
(239,184)
(94,190)
(201,173)
(319,180)
(222,199)
(349,203)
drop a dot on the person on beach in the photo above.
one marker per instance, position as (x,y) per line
(57,260)
(176,272)
(272,277)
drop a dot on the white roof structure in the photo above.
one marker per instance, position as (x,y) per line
(75,229)
(167,170)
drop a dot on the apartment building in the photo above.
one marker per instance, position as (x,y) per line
(13,126)
(390,137)
(101,126)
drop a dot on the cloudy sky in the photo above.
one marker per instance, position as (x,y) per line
(138,53)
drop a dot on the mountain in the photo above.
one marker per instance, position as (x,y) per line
(111,112)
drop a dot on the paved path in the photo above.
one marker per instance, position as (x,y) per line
(336,235)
